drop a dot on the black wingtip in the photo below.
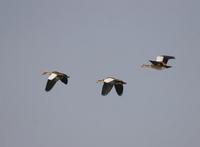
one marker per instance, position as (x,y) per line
(103,94)
(47,90)
(168,66)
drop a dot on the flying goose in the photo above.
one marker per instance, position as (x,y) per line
(160,62)
(108,84)
(54,76)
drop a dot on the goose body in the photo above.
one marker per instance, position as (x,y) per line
(108,84)
(54,76)
(160,62)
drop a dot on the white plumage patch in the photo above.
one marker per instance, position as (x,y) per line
(159,58)
(108,80)
(52,76)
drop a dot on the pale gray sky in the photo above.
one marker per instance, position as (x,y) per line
(90,40)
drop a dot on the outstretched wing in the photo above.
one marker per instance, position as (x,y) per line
(119,89)
(50,84)
(106,88)
(166,58)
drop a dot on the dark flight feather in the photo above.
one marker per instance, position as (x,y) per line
(119,89)
(166,58)
(64,79)
(50,84)
(106,88)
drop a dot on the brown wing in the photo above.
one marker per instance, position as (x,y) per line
(50,84)
(106,88)
(119,89)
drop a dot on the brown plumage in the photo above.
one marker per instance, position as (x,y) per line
(160,62)
(54,76)
(108,84)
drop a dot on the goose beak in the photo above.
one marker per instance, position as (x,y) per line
(99,81)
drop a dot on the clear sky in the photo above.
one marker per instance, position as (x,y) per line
(90,40)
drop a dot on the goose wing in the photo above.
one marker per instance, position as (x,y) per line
(106,88)
(166,58)
(50,84)
(154,62)
(64,79)
(119,89)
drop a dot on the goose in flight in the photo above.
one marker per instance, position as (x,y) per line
(54,76)
(108,84)
(160,62)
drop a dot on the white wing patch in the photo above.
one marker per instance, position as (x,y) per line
(159,58)
(52,76)
(107,80)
